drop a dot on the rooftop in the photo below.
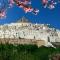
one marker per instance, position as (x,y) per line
(23,20)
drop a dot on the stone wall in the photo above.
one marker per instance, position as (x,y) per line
(22,41)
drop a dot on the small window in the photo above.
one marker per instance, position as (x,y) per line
(19,37)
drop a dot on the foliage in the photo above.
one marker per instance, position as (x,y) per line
(25,52)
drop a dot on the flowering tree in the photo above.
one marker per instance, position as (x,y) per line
(26,5)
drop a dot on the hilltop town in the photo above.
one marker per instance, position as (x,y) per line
(25,32)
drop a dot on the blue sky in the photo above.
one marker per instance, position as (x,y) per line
(45,16)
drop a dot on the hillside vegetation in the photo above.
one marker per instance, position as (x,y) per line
(26,52)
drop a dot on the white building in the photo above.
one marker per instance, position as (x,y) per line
(27,30)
